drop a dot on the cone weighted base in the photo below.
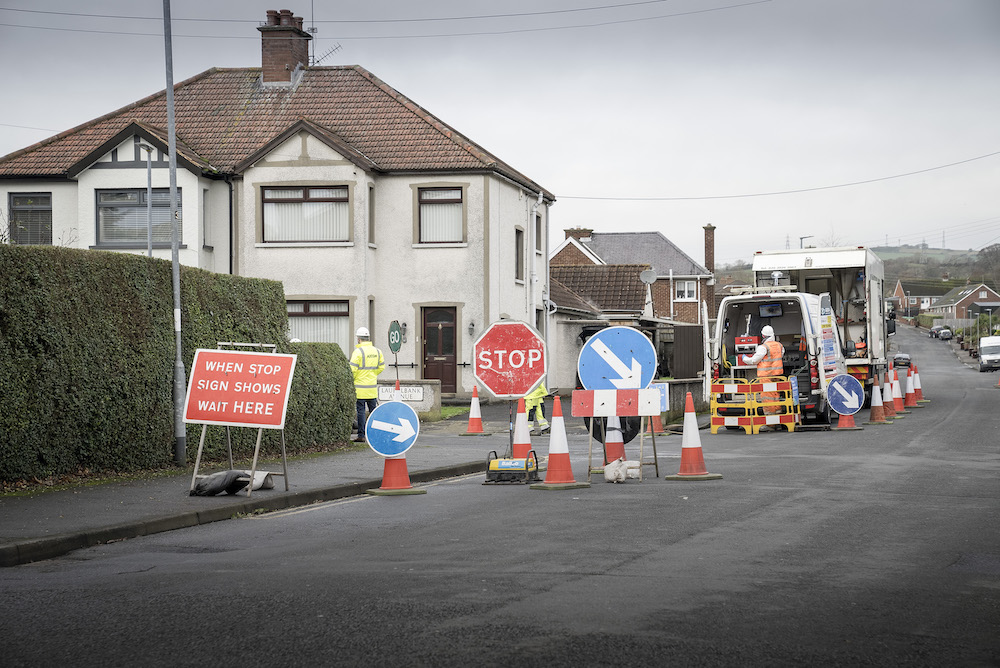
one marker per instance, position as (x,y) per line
(846,423)
(700,476)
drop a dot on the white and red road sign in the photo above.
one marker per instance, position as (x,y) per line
(510,359)
(605,403)
(239,389)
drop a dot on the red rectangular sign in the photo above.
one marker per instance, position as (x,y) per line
(605,403)
(239,389)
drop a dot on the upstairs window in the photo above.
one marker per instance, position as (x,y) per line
(30,218)
(685,290)
(519,254)
(121,217)
(302,214)
(441,215)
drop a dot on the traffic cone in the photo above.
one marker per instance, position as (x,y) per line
(692,461)
(655,425)
(887,402)
(877,413)
(397,394)
(916,386)
(897,394)
(522,436)
(559,472)
(395,479)
(846,423)
(614,443)
(475,415)
(911,396)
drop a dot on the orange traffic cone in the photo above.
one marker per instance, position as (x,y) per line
(846,423)
(877,413)
(911,395)
(692,461)
(887,401)
(614,443)
(522,436)
(897,393)
(475,415)
(559,473)
(916,386)
(655,425)
(397,394)
(395,479)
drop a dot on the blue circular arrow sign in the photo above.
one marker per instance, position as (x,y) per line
(392,428)
(845,394)
(617,358)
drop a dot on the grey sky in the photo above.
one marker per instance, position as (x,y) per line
(691,101)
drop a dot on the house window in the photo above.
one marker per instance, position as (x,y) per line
(539,240)
(684,290)
(982,294)
(30,218)
(318,321)
(317,213)
(441,215)
(519,254)
(913,300)
(121,217)
(371,214)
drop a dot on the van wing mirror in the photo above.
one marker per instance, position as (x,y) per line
(890,326)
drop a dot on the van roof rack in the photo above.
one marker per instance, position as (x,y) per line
(770,288)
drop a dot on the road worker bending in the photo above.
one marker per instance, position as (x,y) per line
(534,404)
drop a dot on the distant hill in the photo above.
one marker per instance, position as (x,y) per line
(922,254)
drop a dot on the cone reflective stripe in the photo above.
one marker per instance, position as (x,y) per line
(522,437)
(475,414)
(559,472)
(692,460)
(911,396)
(917,387)
(614,443)
(877,413)
(887,403)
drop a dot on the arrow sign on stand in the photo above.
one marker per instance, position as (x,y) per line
(617,358)
(392,428)
(847,394)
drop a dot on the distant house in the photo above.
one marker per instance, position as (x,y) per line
(911,297)
(679,284)
(967,301)
(367,207)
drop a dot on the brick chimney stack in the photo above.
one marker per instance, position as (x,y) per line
(284,46)
(579,233)
(710,265)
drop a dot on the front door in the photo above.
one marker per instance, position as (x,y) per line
(439,346)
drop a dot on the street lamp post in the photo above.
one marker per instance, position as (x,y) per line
(149,198)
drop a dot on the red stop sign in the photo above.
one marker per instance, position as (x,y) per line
(510,359)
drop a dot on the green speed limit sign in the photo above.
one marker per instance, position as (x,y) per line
(395,336)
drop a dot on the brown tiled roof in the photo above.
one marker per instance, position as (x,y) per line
(565,298)
(611,287)
(225,115)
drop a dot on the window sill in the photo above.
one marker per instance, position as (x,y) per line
(142,246)
(450,244)
(304,244)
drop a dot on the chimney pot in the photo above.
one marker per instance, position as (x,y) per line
(284,46)
(272,17)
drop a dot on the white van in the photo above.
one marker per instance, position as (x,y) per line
(803,323)
(989,353)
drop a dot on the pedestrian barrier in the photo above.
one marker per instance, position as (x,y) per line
(731,405)
(776,402)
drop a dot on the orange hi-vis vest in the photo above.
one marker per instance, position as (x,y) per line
(771,364)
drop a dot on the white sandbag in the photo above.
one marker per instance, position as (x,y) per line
(615,471)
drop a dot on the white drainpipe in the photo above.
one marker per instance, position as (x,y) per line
(532,242)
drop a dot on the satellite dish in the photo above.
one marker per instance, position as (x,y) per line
(648,276)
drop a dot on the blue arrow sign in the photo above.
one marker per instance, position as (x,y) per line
(845,394)
(392,428)
(617,358)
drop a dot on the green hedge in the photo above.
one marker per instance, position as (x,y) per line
(87,355)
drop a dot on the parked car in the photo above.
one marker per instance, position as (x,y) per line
(933,332)
(945,334)
(901,359)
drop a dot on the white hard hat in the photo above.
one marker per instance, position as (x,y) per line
(362,331)
(766,331)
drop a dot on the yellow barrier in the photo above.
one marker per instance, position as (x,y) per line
(732,404)
(775,402)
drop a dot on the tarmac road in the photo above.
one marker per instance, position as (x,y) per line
(872,547)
